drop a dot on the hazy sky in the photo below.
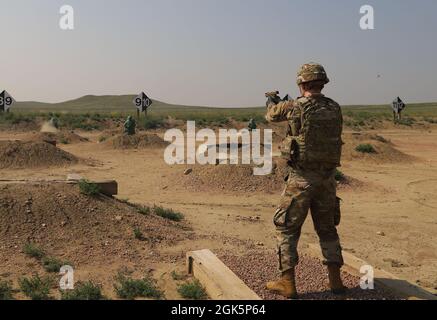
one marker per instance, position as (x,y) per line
(217,52)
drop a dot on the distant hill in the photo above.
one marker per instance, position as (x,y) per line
(94,103)
(123,103)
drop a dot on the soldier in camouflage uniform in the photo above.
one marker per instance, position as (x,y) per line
(129,126)
(252,125)
(313,150)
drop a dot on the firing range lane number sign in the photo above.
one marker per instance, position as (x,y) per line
(6,101)
(142,102)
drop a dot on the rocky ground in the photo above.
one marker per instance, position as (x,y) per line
(257,267)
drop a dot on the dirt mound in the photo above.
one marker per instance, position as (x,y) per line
(64,137)
(233,178)
(108,134)
(138,141)
(94,234)
(30,154)
(228,178)
(376,149)
(384,150)
(240,178)
(346,182)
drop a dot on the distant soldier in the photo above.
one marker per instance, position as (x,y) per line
(313,149)
(54,122)
(398,105)
(129,126)
(252,125)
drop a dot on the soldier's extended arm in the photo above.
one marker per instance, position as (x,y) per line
(279,112)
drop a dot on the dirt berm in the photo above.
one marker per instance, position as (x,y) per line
(94,234)
(32,154)
(137,141)
(240,178)
(384,151)
(63,137)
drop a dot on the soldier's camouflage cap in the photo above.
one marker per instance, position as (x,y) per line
(312,72)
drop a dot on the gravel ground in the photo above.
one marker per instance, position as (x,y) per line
(258,267)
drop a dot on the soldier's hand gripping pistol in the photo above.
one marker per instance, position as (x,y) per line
(273,98)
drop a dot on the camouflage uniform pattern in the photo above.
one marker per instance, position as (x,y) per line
(307,189)
(129,126)
(312,72)
(252,125)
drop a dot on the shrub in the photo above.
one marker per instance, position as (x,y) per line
(36,288)
(86,126)
(6,291)
(51,264)
(406,122)
(380,139)
(429,120)
(168,214)
(96,117)
(128,288)
(192,290)
(149,123)
(339,176)
(83,291)
(88,188)
(144,211)
(16,118)
(138,234)
(33,251)
(365,148)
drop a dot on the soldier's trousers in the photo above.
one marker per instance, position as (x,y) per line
(304,192)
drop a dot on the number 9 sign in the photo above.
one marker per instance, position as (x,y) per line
(6,101)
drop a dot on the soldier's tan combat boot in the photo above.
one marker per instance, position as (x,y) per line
(286,286)
(335,282)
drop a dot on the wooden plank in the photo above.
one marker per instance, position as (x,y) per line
(108,188)
(387,280)
(219,281)
(74,177)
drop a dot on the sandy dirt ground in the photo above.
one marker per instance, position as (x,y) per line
(389,221)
